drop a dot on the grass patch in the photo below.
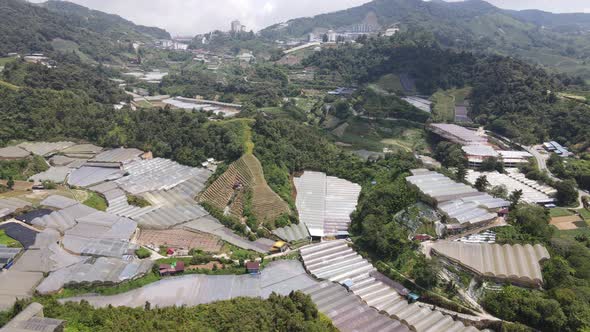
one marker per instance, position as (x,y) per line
(8,241)
(144,104)
(241,127)
(96,201)
(9,85)
(560,212)
(5,60)
(22,169)
(143,253)
(305,104)
(390,83)
(445,102)
(572,97)
(585,214)
(137,201)
(374,136)
(572,234)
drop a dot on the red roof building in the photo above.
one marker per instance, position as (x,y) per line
(253,267)
(172,269)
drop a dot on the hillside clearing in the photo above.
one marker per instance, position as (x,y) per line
(445,102)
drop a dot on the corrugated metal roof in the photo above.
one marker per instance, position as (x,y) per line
(53,174)
(64,219)
(120,155)
(458,134)
(157,174)
(13,152)
(531,190)
(336,261)
(292,233)
(347,312)
(100,270)
(88,176)
(17,284)
(439,187)
(58,202)
(10,205)
(46,255)
(515,263)
(325,203)
(45,148)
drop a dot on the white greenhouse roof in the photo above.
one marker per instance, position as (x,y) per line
(325,203)
(337,262)
(516,263)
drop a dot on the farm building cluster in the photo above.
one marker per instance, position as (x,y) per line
(462,207)
(336,262)
(68,243)
(476,146)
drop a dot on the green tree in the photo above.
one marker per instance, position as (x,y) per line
(499,191)
(514,198)
(461,173)
(533,220)
(567,193)
(10,183)
(481,183)
(425,272)
(527,307)
(492,164)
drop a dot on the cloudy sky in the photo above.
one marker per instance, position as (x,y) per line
(190,17)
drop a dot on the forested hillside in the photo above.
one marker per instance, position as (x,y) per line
(294,312)
(112,26)
(560,41)
(511,97)
(44,114)
(70,74)
(61,26)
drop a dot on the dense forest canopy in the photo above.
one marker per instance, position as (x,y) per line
(475,25)
(69,73)
(261,85)
(26,27)
(43,114)
(509,96)
(294,312)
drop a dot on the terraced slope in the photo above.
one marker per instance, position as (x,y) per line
(229,191)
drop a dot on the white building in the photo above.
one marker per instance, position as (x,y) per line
(477,153)
(391,31)
(332,36)
(246,57)
(236,26)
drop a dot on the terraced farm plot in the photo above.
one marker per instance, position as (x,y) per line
(180,238)
(228,191)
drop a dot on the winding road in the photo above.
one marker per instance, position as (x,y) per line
(542,163)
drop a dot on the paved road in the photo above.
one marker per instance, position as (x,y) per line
(542,163)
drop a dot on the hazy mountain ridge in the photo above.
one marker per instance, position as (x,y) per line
(101,22)
(554,40)
(62,26)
